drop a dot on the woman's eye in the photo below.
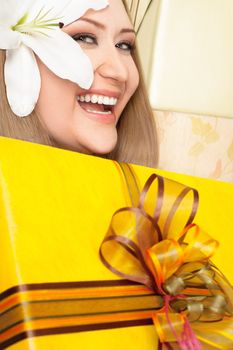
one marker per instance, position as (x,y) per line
(126,46)
(85,38)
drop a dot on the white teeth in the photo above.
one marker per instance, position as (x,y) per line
(87,98)
(94,99)
(105,100)
(98,112)
(100,100)
(112,101)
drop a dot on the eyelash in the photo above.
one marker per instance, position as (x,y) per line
(83,36)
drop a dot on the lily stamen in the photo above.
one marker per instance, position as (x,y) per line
(37,23)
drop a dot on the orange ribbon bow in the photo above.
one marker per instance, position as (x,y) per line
(156,243)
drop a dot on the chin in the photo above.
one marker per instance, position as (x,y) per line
(102,146)
(102,149)
(91,143)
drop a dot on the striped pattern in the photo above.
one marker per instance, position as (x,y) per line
(58,308)
(43,309)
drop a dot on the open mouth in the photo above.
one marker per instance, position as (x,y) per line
(101,105)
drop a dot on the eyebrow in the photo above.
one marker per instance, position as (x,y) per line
(101,26)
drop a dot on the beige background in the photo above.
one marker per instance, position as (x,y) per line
(190,143)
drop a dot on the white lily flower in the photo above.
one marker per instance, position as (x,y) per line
(32,26)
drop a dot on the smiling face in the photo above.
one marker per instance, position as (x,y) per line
(82,120)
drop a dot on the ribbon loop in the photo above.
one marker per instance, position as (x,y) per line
(174,285)
(157,244)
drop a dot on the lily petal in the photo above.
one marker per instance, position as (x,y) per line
(68,10)
(9,39)
(12,11)
(63,56)
(75,9)
(7,12)
(22,79)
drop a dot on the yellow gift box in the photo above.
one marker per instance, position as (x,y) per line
(55,209)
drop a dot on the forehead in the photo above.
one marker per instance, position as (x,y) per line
(113,15)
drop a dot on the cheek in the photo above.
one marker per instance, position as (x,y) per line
(133,78)
(132,84)
(95,56)
(55,92)
(56,104)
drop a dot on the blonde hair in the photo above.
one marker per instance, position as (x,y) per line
(137,142)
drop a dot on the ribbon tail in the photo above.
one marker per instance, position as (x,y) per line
(216,335)
(165,346)
(189,340)
(175,329)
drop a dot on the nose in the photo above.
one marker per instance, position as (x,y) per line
(113,66)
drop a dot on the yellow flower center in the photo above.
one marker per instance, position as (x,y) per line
(38,25)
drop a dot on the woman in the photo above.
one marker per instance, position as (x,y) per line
(113,117)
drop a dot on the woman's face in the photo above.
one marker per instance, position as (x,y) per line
(74,123)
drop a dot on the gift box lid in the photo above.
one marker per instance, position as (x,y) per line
(55,209)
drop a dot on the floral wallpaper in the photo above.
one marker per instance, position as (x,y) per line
(196,145)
